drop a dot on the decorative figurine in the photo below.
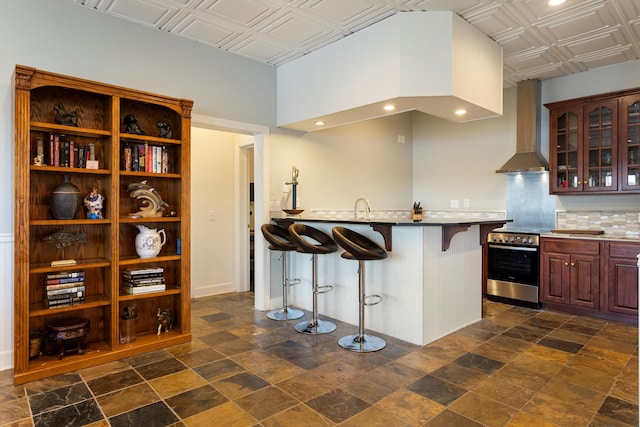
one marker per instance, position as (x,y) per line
(294,184)
(131,125)
(165,129)
(38,160)
(93,203)
(63,118)
(152,203)
(165,321)
(61,240)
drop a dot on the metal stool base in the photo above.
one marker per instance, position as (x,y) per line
(285,314)
(367,344)
(317,328)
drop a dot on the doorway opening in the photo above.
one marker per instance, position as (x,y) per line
(250,160)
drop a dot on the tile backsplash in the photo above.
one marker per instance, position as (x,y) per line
(615,223)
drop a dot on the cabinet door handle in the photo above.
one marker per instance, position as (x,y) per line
(573,264)
(566,263)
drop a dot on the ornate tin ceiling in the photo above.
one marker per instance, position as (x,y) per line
(539,41)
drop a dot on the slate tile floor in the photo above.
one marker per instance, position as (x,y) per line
(516,367)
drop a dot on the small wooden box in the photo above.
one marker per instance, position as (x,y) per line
(69,332)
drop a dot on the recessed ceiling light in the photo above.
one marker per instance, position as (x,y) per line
(319,123)
(555,2)
(460,112)
(389,107)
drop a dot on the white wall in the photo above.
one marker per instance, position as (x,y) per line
(338,165)
(213,247)
(458,161)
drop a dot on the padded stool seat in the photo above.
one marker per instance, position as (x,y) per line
(310,240)
(280,240)
(360,248)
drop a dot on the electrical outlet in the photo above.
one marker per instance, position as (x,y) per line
(400,139)
(466,203)
(454,203)
(274,205)
(212,215)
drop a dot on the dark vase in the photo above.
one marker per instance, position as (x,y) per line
(65,200)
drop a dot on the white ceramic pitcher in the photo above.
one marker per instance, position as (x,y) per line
(149,241)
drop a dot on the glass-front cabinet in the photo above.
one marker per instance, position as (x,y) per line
(595,144)
(630,142)
(600,147)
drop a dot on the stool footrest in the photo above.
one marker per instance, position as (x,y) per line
(292,282)
(324,289)
(377,301)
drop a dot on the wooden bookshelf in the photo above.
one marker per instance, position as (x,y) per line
(108,246)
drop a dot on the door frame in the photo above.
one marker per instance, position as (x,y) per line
(262,293)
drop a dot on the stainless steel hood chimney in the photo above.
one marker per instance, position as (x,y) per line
(527,157)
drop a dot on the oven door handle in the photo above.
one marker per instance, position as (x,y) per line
(514,248)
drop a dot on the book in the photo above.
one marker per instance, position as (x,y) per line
(142,161)
(135,290)
(51,148)
(157,159)
(64,285)
(56,150)
(64,274)
(144,282)
(72,158)
(65,280)
(64,302)
(82,156)
(79,290)
(149,270)
(64,152)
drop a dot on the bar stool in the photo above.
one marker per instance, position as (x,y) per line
(362,249)
(313,241)
(280,240)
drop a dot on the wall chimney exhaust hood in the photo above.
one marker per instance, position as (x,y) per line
(434,62)
(528,157)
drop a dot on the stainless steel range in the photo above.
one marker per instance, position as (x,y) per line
(513,267)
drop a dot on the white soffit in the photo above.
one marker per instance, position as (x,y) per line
(434,62)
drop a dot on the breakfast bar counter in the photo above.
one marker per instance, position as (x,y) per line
(430,283)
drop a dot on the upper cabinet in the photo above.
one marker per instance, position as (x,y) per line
(595,144)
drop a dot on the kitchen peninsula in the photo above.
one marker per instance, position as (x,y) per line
(430,284)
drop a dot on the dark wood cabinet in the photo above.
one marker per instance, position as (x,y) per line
(95,123)
(594,144)
(570,273)
(590,277)
(622,278)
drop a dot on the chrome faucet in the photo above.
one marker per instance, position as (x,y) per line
(367,209)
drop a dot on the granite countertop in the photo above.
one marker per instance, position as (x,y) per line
(605,236)
(426,222)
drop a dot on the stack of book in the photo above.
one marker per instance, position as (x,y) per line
(143,280)
(64,288)
(64,152)
(145,158)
